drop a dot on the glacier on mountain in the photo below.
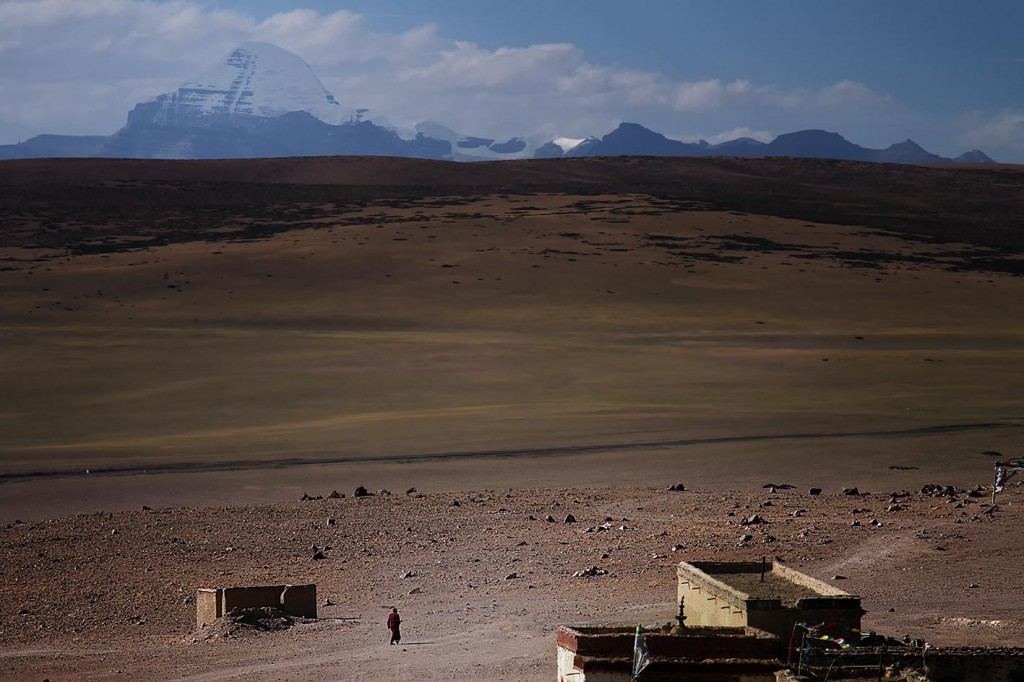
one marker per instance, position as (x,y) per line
(567,144)
(256,81)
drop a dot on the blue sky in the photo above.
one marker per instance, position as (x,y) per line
(949,75)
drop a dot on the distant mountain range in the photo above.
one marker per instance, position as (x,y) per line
(263,101)
(631,139)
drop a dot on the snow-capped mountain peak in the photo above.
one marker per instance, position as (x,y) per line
(567,144)
(255,81)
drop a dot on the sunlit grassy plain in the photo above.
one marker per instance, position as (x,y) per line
(502,322)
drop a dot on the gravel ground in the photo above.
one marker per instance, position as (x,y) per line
(111,595)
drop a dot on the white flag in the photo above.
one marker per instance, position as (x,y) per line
(641,657)
(1006,470)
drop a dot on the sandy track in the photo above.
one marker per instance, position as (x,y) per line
(522,452)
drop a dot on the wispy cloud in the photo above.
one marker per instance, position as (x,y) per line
(727,135)
(1003,129)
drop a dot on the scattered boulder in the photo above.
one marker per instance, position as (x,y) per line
(797,513)
(410,491)
(335,495)
(752,520)
(838,577)
(332,522)
(745,538)
(408,574)
(455,503)
(549,518)
(511,576)
(934,490)
(591,572)
(851,491)
(361,492)
(677,487)
(569,518)
(814,491)
(328,602)
(318,555)
(383,492)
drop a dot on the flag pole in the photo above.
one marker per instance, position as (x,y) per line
(789,654)
(800,661)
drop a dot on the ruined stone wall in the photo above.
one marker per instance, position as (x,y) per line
(294,600)
(208,607)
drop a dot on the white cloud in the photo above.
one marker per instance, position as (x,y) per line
(727,135)
(72,66)
(1004,130)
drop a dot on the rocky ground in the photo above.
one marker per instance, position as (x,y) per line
(482,579)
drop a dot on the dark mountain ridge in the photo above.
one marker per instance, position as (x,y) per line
(632,139)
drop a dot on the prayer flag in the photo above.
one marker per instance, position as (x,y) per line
(1005,470)
(641,657)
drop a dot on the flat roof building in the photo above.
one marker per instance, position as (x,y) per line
(766,595)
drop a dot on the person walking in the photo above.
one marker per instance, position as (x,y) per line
(394,625)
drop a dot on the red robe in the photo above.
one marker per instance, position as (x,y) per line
(393,624)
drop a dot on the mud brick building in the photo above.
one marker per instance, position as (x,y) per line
(739,594)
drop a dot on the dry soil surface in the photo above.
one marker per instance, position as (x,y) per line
(110,596)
